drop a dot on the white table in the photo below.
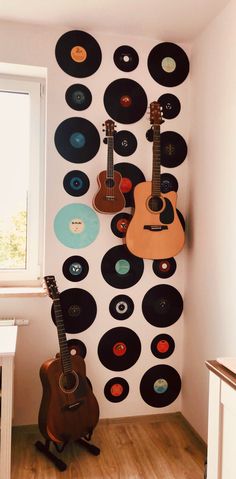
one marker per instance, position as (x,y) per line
(8,335)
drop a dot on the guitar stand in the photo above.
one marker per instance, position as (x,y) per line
(61,465)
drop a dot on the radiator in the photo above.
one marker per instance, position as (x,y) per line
(11,321)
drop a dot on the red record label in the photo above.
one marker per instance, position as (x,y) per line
(119,349)
(162,346)
(116,390)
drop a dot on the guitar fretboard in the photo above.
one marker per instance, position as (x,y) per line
(64,350)
(156,164)
(110,162)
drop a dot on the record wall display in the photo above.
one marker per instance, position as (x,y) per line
(75,268)
(164,268)
(77,347)
(120,268)
(116,389)
(170,105)
(125,100)
(76,225)
(78,53)
(79,310)
(162,305)
(77,140)
(119,224)
(125,143)
(160,385)
(119,349)
(173,149)
(168,183)
(162,346)
(76,183)
(78,97)
(126,58)
(168,64)
(121,307)
(131,176)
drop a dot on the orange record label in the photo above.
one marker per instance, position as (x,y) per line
(126,185)
(162,346)
(117,390)
(78,54)
(125,101)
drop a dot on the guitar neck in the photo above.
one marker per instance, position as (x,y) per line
(156,164)
(64,350)
(110,161)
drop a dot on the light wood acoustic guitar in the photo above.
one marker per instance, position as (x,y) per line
(155,231)
(109,198)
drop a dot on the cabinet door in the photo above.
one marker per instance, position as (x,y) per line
(228,428)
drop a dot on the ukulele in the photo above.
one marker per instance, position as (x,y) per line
(155,231)
(109,198)
(68,409)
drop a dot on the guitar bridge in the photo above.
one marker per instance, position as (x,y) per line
(73,406)
(110,197)
(155,227)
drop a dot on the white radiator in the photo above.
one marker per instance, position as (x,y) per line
(11,321)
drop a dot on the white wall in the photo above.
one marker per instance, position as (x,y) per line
(34,45)
(210,301)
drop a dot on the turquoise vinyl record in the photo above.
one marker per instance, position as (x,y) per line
(76,225)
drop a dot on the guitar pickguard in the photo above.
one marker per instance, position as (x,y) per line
(167,216)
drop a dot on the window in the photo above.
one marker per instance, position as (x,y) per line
(21,180)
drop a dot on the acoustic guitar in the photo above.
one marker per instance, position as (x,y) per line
(155,231)
(68,409)
(109,198)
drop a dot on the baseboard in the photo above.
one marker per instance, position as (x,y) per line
(189,426)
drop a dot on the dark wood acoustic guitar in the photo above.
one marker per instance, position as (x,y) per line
(69,409)
(155,231)
(109,197)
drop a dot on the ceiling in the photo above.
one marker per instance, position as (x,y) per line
(179,20)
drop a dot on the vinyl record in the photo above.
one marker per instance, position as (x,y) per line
(170,105)
(76,183)
(75,268)
(126,58)
(77,140)
(116,389)
(120,268)
(119,224)
(164,268)
(162,346)
(79,310)
(125,143)
(121,307)
(78,97)
(173,149)
(131,176)
(168,183)
(162,305)
(78,53)
(160,385)
(125,100)
(76,225)
(168,64)
(119,349)
(77,347)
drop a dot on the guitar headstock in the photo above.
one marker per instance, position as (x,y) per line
(51,287)
(156,113)
(109,127)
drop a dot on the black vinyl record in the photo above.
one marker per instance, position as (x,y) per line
(164,268)
(126,58)
(120,268)
(75,268)
(78,96)
(162,346)
(119,349)
(125,143)
(77,347)
(79,310)
(121,307)
(77,140)
(119,224)
(168,64)
(162,305)
(160,385)
(116,389)
(131,176)
(76,183)
(170,105)
(173,149)
(168,183)
(78,53)
(125,100)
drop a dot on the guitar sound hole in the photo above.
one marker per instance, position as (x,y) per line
(110,183)
(69,382)
(155,203)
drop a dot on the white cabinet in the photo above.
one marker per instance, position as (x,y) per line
(221,458)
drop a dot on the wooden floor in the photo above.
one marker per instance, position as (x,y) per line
(153,447)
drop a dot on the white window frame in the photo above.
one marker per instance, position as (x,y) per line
(33,273)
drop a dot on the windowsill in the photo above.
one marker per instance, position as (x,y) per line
(21,291)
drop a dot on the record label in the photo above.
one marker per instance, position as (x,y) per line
(120,268)
(76,225)
(160,385)
(119,349)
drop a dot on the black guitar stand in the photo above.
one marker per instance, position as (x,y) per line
(61,465)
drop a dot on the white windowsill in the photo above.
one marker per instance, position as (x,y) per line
(21,291)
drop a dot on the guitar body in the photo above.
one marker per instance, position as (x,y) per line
(154,234)
(109,198)
(69,409)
